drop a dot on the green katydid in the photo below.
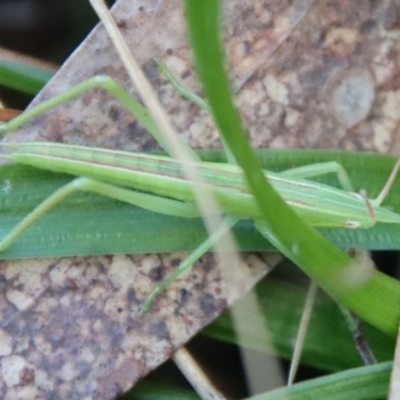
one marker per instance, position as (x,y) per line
(101,170)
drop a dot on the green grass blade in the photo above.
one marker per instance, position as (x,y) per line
(23,77)
(378,299)
(366,383)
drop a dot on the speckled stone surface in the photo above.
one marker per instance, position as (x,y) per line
(70,329)
(307,74)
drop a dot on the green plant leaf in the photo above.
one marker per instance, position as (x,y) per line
(375,299)
(366,383)
(22,76)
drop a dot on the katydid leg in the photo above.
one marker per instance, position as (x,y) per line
(104,82)
(185,92)
(384,192)
(361,342)
(182,90)
(308,171)
(143,200)
(187,263)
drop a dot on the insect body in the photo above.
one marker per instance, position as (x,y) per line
(321,205)
(161,186)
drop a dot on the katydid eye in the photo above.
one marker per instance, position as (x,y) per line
(352,224)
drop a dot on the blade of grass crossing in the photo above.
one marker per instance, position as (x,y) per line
(375,298)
